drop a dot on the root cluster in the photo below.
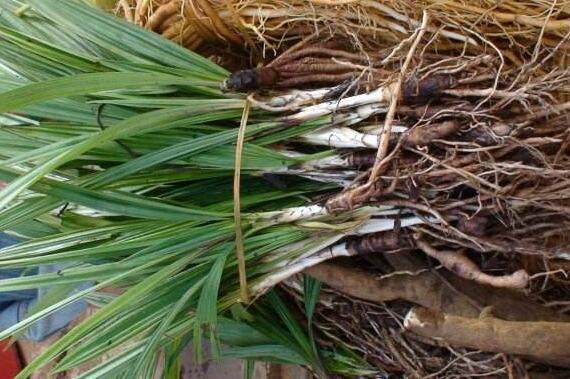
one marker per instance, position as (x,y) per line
(480,153)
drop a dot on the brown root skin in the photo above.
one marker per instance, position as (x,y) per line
(311,67)
(384,241)
(455,295)
(416,91)
(269,77)
(362,159)
(426,134)
(300,74)
(462,266)
(326,51)
(474,226)
(424,111)
(311,80)
(357,283)
(428,290)
(542,341)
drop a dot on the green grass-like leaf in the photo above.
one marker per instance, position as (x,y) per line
(119,148)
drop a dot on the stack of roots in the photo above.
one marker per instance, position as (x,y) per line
(464,121)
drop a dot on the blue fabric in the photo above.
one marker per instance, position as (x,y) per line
(6,240)
(14,305)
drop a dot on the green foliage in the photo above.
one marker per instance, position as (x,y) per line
(119,150)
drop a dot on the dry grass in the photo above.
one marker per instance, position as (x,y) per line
(266,28)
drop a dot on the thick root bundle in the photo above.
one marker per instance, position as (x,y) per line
(458,116)
(480,148)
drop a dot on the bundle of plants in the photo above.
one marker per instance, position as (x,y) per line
(260,30)
(146,168)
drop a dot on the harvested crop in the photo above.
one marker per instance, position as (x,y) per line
(148,167)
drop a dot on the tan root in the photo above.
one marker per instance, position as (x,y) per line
(423,288)
(462,266)
(541,341)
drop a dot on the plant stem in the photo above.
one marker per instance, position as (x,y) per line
(237,207)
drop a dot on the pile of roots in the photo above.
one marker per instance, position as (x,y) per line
(460,114)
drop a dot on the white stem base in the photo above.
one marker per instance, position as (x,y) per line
(291,214)
(334,251)
(380,95)
(339,250)
(341,138)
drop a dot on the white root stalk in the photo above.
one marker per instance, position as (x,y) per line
(373,128)
(308,248)
(315,170)
(308,212)
(341,138)
(290,100)
(380,95)
(358,114)
(342,178)
(291,214)
(375,225)
(299,250)
(345,138)
(334,251)
(335,161)
(297,99)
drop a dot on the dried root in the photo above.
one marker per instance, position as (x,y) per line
(463,267)
(541,341)
(422,136)
(423,288)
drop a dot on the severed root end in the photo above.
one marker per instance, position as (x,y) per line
(462,266)
(419,318)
